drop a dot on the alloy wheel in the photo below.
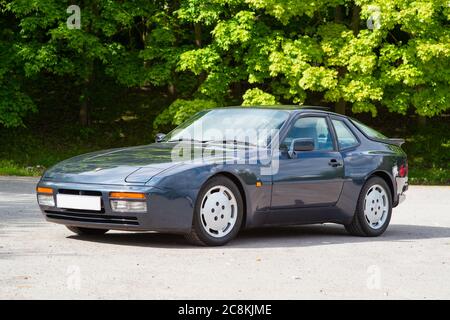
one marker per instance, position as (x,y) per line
(376,206)
(218,211)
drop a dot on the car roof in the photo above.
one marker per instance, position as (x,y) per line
(288,108)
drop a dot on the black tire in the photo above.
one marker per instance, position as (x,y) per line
(359,225)
(87,231)
(198,234)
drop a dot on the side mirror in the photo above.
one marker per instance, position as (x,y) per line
(159,137)
(301,144)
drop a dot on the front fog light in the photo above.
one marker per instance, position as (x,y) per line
(46,200)
(128,206)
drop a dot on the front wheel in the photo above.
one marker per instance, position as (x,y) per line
(87,231)
(373,211)
(218,213)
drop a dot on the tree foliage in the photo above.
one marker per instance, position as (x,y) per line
(367,55)
(180,110)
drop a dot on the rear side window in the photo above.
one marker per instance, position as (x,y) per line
(368,131)
(345,136)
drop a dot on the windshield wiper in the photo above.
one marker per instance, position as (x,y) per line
(231,141)
(189,140)
(224,141)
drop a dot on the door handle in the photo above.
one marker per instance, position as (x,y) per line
(334,163)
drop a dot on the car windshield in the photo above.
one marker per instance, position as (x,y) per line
(249,126)
(371,133)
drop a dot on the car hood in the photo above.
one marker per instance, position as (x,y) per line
(114,166)
(133,165)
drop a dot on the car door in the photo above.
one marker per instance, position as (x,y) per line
(308,178)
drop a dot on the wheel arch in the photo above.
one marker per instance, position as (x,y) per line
(241,189)
(387,178)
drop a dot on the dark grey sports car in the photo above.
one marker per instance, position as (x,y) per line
(233,168)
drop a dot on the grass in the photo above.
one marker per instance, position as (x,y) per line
(29,154)
(429,176)
(428,151)
(9,168)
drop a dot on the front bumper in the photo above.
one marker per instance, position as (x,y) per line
(167,211)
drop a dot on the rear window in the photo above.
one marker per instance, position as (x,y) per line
(368,131)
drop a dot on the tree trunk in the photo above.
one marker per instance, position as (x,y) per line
(356,20)
(85,118)
(198,35)
(340,106)
(172,91)
(84,113)
(198,43)
(338,14)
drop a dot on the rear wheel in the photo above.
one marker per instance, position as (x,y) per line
(373,211)
(87,231)
(218,213)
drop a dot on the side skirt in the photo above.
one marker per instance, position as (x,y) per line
(300,216)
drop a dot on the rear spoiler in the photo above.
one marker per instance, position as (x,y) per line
(395,141)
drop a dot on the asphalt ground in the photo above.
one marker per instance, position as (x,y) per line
(41,260)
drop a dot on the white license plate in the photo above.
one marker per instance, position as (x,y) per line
(71,201)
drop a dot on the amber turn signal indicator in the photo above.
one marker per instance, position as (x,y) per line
(44,190)
(127,195)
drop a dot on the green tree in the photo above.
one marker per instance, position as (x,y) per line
(14,102)
(136,42)
(233,52)
(324,52)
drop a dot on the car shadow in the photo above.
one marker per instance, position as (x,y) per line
(273,237)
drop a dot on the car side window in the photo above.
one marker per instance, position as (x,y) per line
(345,136)
(315,128)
